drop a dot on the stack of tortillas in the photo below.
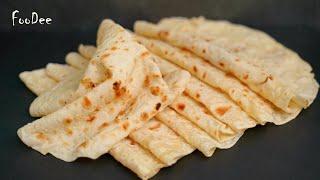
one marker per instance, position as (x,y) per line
(131,96)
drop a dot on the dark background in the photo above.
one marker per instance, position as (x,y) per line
(290,151)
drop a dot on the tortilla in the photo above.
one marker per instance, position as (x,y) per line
(162,142)
(87,51)
(267,67)
(76,60)
(37,81)
(255,106)
(57,97)
(59,72)
(137,159)
(191,133)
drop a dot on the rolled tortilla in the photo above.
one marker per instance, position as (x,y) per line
(87,51)
(59,72)
(76,60)
(250,55)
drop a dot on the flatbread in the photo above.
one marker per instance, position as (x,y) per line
(137,159)
(87,51)
(255,106)
(59,72)
(267,67)
(37,81)
(76,60)
(161,141)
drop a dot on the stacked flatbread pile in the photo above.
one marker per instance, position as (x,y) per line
(131,96)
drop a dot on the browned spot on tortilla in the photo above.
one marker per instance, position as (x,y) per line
(144,54)
(62,102)
(121,112)
(181,106)
(67,121)
(126,49)
(195,68)
(84,144)
(118,90)
(221,64)
(91,118)
(204,75)
(103,125)
(87,83)
(222,110)
(125,125)
(113,48)
(155,90)
(237,59)
(203,51)
(163,34)
(246,76)
(158,105)
(144,116)
(117,120)
(164,98)
(228,74)
(41,136)
(69,131)
(267,78)
(151,45)
(270,77)
(131,142)
(232,90)
(86,103)
(185,93)
(165,52)
(206,111)
(197,95)
(104,55)
(147,81)
(155,126)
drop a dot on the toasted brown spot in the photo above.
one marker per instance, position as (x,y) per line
(195,69)
(203,51)
(147,81)
(198,95)
(222,110)
(163,34)
(69,132)
(164,98)
(270,77)
(67,121)
(125,125)
(41,136)
(87,83)
(155,90)
(246,76)
(184,49)
(113,48)
(121,112)
(118,90)
(165,52)
(185,93)
(144,54)
(158,105)
(144,116)
(204,75)
(229,74)
(155,126)
(105,55)
(84,144)
(221,64)
(91,118)
(131,142)
(103,125)
(181,106)
(237,59)
(86,103)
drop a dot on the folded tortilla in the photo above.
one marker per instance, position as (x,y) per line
(87,51)
(59,72)
(37,81)
(76,60)
(267,67)
(255,106)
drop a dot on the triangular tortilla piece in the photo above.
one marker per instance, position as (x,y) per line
(76,60)
(37,81)
(186,129)
(254,105)
(57,97)
(161,141)
(137,159)
(255,61)
(59,72)
(87,51)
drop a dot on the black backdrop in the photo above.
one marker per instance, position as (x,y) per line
(290,151)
